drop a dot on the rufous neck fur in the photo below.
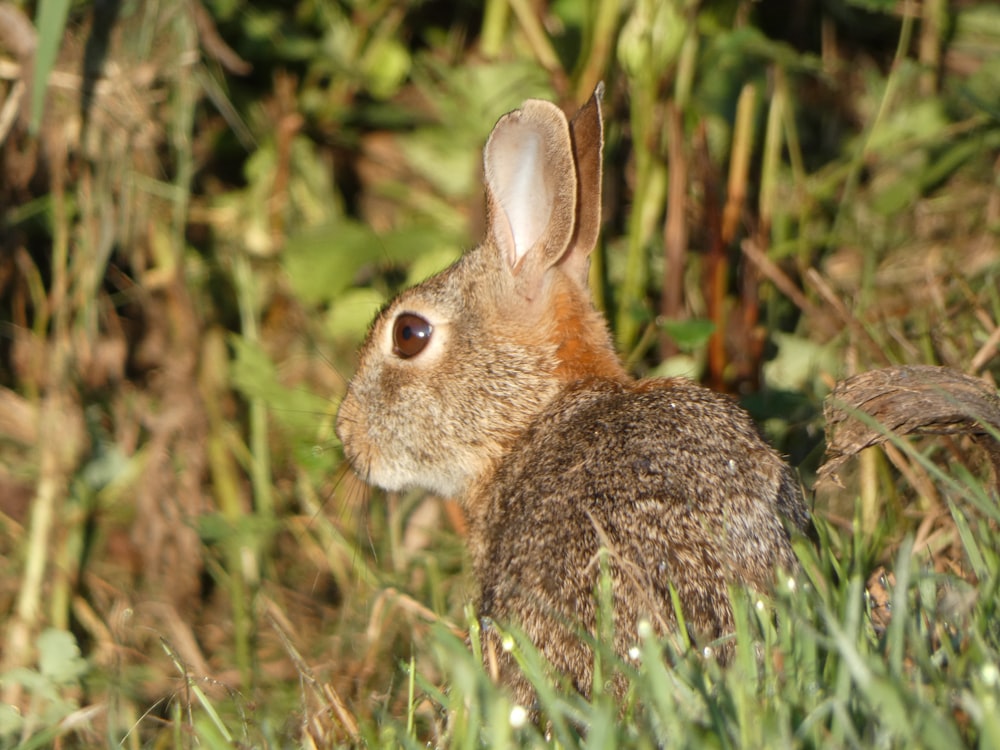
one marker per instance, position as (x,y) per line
(580,335)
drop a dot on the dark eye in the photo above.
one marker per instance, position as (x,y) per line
(410,334)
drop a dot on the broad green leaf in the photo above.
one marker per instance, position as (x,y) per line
(352,312)
(322,262)
(689,334)
(10,721)
(413,244)
(799,363)
(59,656)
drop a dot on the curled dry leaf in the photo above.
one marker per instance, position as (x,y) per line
(909,400)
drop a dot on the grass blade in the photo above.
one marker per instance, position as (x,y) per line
(50,21)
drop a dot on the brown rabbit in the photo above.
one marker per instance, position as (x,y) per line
(496,382)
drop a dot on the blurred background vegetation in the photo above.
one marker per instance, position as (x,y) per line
(203,202)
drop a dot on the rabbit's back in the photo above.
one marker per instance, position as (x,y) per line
(673,479)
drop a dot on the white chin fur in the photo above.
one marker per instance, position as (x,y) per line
(392,479)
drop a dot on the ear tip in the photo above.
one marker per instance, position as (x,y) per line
(541,108)
(599,91)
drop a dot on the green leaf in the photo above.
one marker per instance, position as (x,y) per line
(59,656)
(689,334)
(922,120)
(449,165)
(255,376)
(322,262)
(351,313)
(799,362)
(386,65)
(10,720)
(50,21)
(420,245)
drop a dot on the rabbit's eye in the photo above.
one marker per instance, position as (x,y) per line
(410,334)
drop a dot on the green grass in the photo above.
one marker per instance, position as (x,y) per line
(811,671)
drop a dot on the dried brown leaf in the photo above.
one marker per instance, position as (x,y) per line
(909,400)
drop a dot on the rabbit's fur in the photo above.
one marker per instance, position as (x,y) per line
(518,405)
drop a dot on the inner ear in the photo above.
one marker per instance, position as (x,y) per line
(521,187)
(531,183)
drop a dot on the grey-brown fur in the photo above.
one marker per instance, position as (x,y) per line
(518,406)
(672,478)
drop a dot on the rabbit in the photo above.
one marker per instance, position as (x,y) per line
(496,382)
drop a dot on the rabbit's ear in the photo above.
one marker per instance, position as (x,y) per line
(587,134)
(531,185)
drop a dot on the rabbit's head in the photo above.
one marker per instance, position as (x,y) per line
(455,369)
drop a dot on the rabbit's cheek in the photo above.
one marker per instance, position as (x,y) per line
(383,424)
(351,431)
(363,427)
(367,452)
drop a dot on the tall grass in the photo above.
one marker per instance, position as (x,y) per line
(811,670)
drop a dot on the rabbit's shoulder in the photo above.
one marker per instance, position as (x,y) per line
(671,433)
(636,459)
